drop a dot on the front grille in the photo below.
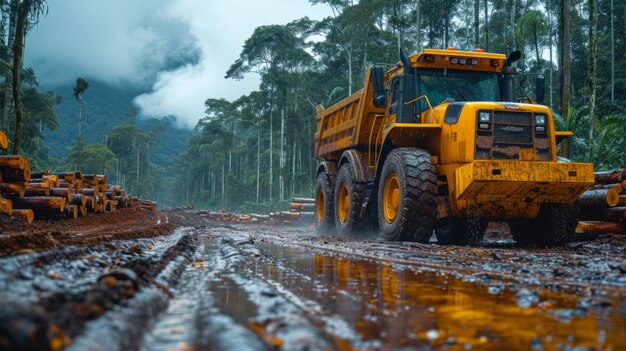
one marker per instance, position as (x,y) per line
(510,132)
(513,128)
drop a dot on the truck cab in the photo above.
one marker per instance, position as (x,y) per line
(439,142)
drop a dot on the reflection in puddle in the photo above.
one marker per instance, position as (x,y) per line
(405,307)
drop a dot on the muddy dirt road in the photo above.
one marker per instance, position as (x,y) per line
(175,281)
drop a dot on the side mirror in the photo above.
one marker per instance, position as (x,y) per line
(380,98)
(540,89)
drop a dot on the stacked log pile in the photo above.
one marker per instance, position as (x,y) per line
(44,195)
(603,207)
(300,213)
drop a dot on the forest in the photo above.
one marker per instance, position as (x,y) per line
(254,153)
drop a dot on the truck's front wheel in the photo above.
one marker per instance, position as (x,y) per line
(555,226)
(406,196)
(324,204)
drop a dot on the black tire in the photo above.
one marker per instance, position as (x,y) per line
(324,196)
(416,210)
(555,226)
(356,191)
(460,231)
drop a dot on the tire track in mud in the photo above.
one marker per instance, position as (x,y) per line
(53,298)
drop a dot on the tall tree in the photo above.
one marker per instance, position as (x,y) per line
(79,89)
(28,13)
(564,64)
(591,62)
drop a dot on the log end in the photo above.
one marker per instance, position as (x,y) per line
(612,197)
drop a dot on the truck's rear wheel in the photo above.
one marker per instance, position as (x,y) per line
(349,197)
(555,226)
(460,231)
(406,196)
(324,205)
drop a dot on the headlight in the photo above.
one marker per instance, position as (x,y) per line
(484,117)
(540,120)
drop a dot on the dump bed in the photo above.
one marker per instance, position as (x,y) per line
(342,126)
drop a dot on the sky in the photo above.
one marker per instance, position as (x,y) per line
(177,51)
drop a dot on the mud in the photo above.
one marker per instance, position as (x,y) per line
(175,281)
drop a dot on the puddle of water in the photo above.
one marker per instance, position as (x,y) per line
(406,307)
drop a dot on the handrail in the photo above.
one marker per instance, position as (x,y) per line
(427,102)
(369,149)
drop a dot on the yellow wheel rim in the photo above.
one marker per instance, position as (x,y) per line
(391,198)
(319,206)
(343,205)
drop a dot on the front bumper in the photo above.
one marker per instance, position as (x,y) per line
(512,189)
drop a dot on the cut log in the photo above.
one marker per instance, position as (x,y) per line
(26,215)
(37,189)
(13,175)
(42,206)
(6,205)
(12,190)
(303,200)
(4,142)
(12,161)
(615,213)
(616,186)
(597,199)
(69,177)
(52,179)
(39,174)
(72,211)
(111,205)
(90,202)
(90,191)
(598,227)
(62,192)
(298,206)
(79,200)
(607,177)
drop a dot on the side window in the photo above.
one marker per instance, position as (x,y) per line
(395,86)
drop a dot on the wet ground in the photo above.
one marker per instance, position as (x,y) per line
(189,284)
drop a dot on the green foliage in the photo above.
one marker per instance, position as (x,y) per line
(94,158)
(79,89)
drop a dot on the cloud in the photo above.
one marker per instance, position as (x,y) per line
(116,42)
(176,50)
(219,31)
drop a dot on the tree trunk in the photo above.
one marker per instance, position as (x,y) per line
(597,199)
(8,85)
(591,70)
(564,63)
(258,161)
(476,23)
(486,25)
(610,177)
(418,24)
(601,227)
(612,53)
(18,52)
(446,21)
(282,156)
(513,10)
(550,46)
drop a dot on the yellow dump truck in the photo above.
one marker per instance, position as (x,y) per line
(439,143)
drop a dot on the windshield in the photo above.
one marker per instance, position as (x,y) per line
(440,84)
